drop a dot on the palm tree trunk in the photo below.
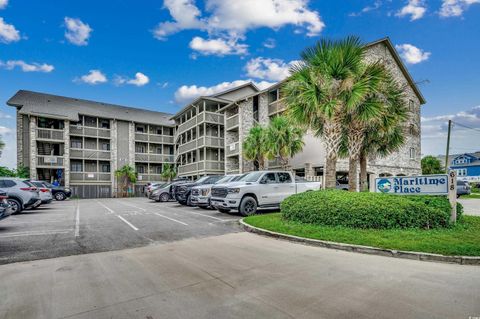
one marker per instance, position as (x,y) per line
(330,171)
(352,173)
(363,172)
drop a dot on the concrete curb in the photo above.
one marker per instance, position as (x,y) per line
(462,260)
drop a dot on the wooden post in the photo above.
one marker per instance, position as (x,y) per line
(447,153)
(452,194)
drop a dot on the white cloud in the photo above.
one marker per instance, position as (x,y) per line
(93,77)
(8,156)
(375,6)
(5,116)
(434,132)
(187,93)
(270,43)
(77,32)
(217,46)
(3,4)
(27,67)
(455,8)
(411,54)
(415,9)
(140,79)
(268,69)
(227,21)
(8,33)
(5,130)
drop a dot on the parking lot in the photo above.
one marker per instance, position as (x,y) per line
(93,225)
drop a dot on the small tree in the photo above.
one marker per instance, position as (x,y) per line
(128,175)
(169,172)
(283,140)
(2,145)
(22,172)
(431,165)
(6,172)
(255,146)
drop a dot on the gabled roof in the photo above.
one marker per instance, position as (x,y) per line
(61,107)
(251,84)
(402,66)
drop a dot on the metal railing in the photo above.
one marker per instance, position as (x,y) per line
(232,122)
(90,131)
(158,158)
(90,176)
(49,161)
(50,134)
(207,166)
(90,154)
(232,149)
(276,107)
(211,141)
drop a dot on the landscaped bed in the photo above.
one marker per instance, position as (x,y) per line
(410,223)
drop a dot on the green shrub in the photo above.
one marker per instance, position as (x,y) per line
(367,210)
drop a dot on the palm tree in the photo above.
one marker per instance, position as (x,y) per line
(255,146)
(431,165)
(330,78)
(168,172)
(283,140)
(383,108)
(128,175)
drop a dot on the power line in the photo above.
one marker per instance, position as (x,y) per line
(465,126)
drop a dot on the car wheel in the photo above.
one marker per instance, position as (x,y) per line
(164,197)
(248,206)
(189,201)
(60,196)
(204,207)
(17,207)
(223,210)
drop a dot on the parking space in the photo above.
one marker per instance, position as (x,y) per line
(94,225)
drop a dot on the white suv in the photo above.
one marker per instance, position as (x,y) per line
(21,194)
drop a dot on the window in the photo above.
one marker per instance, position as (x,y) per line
(412,129)
(76,167)
(284,178)
(104,123)
(139,129)
(461,172)
(140,148)
(6,183)
(255,108)
(159,131)
(268,178)
(412,153)
(158,170)
(105,146)
(105,167)
(76,143)
(411,105)
(140,169)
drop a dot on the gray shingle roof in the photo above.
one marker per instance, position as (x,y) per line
(48,105)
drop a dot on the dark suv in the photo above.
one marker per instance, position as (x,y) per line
(58,192)
(183,191)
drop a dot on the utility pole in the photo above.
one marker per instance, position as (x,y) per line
(448,145)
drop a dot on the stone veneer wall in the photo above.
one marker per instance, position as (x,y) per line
(66,153)
(33,147)
(245,113)
(113,153)
(20,139)
(131,144)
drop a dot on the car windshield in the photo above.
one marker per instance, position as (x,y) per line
(166,185)
(29,183)
(225,179)
(251,177)
(212,179)
(238,177)
(48,184)
(38,184)
(201,179)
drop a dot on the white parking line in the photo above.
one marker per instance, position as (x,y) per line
(127,222)
(36,233)
(77,221)
(107,208)
(172,219)
(213,217)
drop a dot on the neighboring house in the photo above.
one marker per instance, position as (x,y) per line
(82,143)
(466,165)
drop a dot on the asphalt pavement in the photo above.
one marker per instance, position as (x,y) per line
(94,225)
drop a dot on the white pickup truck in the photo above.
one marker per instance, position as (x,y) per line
(260,189)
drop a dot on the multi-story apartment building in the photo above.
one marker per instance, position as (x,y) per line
(83,142)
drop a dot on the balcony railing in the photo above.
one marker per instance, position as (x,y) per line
(50,134)
(187,147)
(157,158)
(276,107)
(202,167)
(49,161)
(232,149)
(89,131)
(90,176)
(187,125)
(208,117)
(232,122)
(211,141)
(144,177)
(89,154)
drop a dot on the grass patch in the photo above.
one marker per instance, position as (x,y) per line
(472,195)
(462,239)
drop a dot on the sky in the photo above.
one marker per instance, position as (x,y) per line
(161,54)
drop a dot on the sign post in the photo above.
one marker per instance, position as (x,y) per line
(452,194)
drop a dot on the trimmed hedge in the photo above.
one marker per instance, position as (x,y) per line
(368,210)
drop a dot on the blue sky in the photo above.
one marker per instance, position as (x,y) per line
(159,55)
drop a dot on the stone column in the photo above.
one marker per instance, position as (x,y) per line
(113,153)
(371,181)
(309,171)
(20,159)
(131,144)
(66,153)
(33,147)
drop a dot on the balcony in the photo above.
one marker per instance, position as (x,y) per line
(157,158)
(89,154)
(232,122)
(89,131)
(276,107)
(232,149)
(208,167)
(149,177)
(207,117)
(90,176)
(211,141)
(50,134)
(187,125)
(49,161)
(187,147)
